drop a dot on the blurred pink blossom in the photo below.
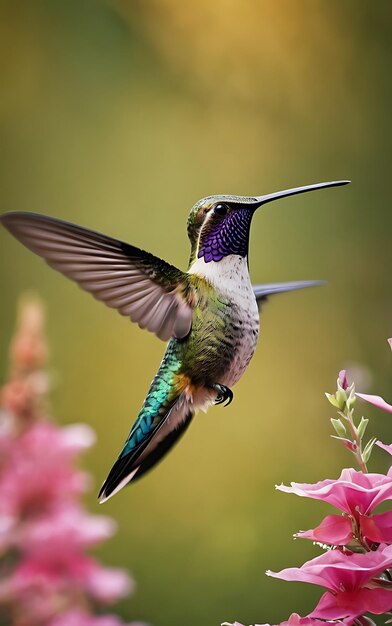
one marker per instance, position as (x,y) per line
(350,581)
(37,471)
(43,537)
(29,349)
(105,584)
(64,574)
(47,577)
(353,492)
(76,438)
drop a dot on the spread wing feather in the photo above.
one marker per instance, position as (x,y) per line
(139,285)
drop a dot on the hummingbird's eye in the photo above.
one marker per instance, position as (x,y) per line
(221,209)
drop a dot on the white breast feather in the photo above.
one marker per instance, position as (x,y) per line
(230,278)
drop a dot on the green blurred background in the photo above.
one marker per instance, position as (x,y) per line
(119,116)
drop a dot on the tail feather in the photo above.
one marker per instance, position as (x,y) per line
(130,466)
(263,291)
(163,447)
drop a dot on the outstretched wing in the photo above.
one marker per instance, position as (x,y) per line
(263,291)
(139,285)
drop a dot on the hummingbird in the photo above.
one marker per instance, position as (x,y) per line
(209,315)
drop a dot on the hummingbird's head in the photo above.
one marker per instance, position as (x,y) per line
(219,225)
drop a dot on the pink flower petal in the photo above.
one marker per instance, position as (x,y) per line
(334,529)
(384,446)
(335,570)
(107,584)
(351,604)
(390,342)
(294,620)
(43,537)
(352,492)
(376,400)
(377,528)
(77,437)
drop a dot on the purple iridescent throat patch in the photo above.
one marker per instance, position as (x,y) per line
(229,236)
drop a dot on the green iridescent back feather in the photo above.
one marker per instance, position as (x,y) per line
(160,397)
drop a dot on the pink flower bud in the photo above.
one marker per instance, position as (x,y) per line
(343,379)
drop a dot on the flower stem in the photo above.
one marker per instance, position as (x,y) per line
(356,439)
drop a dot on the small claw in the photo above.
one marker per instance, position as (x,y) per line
(230,396)
(223,394)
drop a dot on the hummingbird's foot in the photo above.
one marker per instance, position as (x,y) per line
(223,394)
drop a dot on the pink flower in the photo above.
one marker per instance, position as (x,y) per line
(47,578)
(353,492)
(17,397)
(34,576)
(376,400)
(37,470)
(106,584)
(7,526)
(349,579)
(63,533)
(34,594)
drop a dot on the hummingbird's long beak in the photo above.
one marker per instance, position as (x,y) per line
(292,192)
